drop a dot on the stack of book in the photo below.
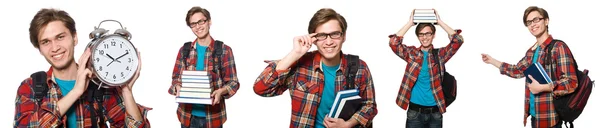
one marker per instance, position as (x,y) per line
(424,16)
(345,104)
(195,88)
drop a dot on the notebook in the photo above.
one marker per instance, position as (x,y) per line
(345,104)
(538,73)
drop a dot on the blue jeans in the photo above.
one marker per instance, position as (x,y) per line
(415,119)
(558,125)
(197,122)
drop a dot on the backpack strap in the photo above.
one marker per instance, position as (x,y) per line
(549,56)
(436,59)
(187,46)
(95,95)
(40,86)
(217,53)
(352,68)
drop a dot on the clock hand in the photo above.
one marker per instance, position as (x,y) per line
(110,56)
(110,63)
(113,59)
(122,56)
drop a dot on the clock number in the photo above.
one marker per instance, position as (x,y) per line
(122,74)
(100,68)
(106,46)
(127,68)
(97,59)
(121,45)
(106,73)
(113,43)
(114,77)
(101,52)
(129,60)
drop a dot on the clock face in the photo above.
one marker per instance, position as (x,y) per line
(115,60)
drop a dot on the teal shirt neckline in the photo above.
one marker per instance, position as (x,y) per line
(328,95)
(65,87)
(199,110)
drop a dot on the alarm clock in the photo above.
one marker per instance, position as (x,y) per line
(114,58)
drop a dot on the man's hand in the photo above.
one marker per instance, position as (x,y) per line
(437,17)
(129,86)
(83,73)
(217,95)
(489,60)
(303,43)
(411,18)
(535,87)
(336,123)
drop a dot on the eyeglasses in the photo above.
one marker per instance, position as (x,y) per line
(428,34)
(199,22)
(534,20)
(333,35)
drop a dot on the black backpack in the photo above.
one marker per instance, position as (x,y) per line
(448,81)
(570,106)
(40,90)
(217,53)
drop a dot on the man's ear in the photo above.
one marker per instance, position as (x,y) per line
(75,40)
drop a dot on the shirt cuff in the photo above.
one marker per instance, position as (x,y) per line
(132,123)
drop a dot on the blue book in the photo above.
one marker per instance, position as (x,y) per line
(538,73)
(345,104)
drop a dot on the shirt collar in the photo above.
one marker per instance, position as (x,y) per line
(317,62)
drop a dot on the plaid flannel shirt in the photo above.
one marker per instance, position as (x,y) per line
(306,86)
(225,77)
(414,58)
(28,114)
(566,83)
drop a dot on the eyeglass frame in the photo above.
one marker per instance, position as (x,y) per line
(428,34)
(199,22)
(332,35)
(534,20)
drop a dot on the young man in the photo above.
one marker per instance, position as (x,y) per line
(224,81)
(313,78)
(421,88)
(53,33)
(539,97)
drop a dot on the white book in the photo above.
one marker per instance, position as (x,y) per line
(194,73)
(194,100)
(196,85)
(200,77)
(194,94)
(190,89)
(195,81)
(419,11)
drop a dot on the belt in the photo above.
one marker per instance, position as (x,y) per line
(423,109)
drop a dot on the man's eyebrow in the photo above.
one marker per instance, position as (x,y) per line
(57,35)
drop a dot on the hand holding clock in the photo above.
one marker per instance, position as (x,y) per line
(83,73)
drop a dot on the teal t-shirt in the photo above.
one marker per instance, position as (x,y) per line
(531,96)
(328,93)
(199,110)
(65,87)
(421,93)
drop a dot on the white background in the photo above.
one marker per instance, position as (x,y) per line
(263,30)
